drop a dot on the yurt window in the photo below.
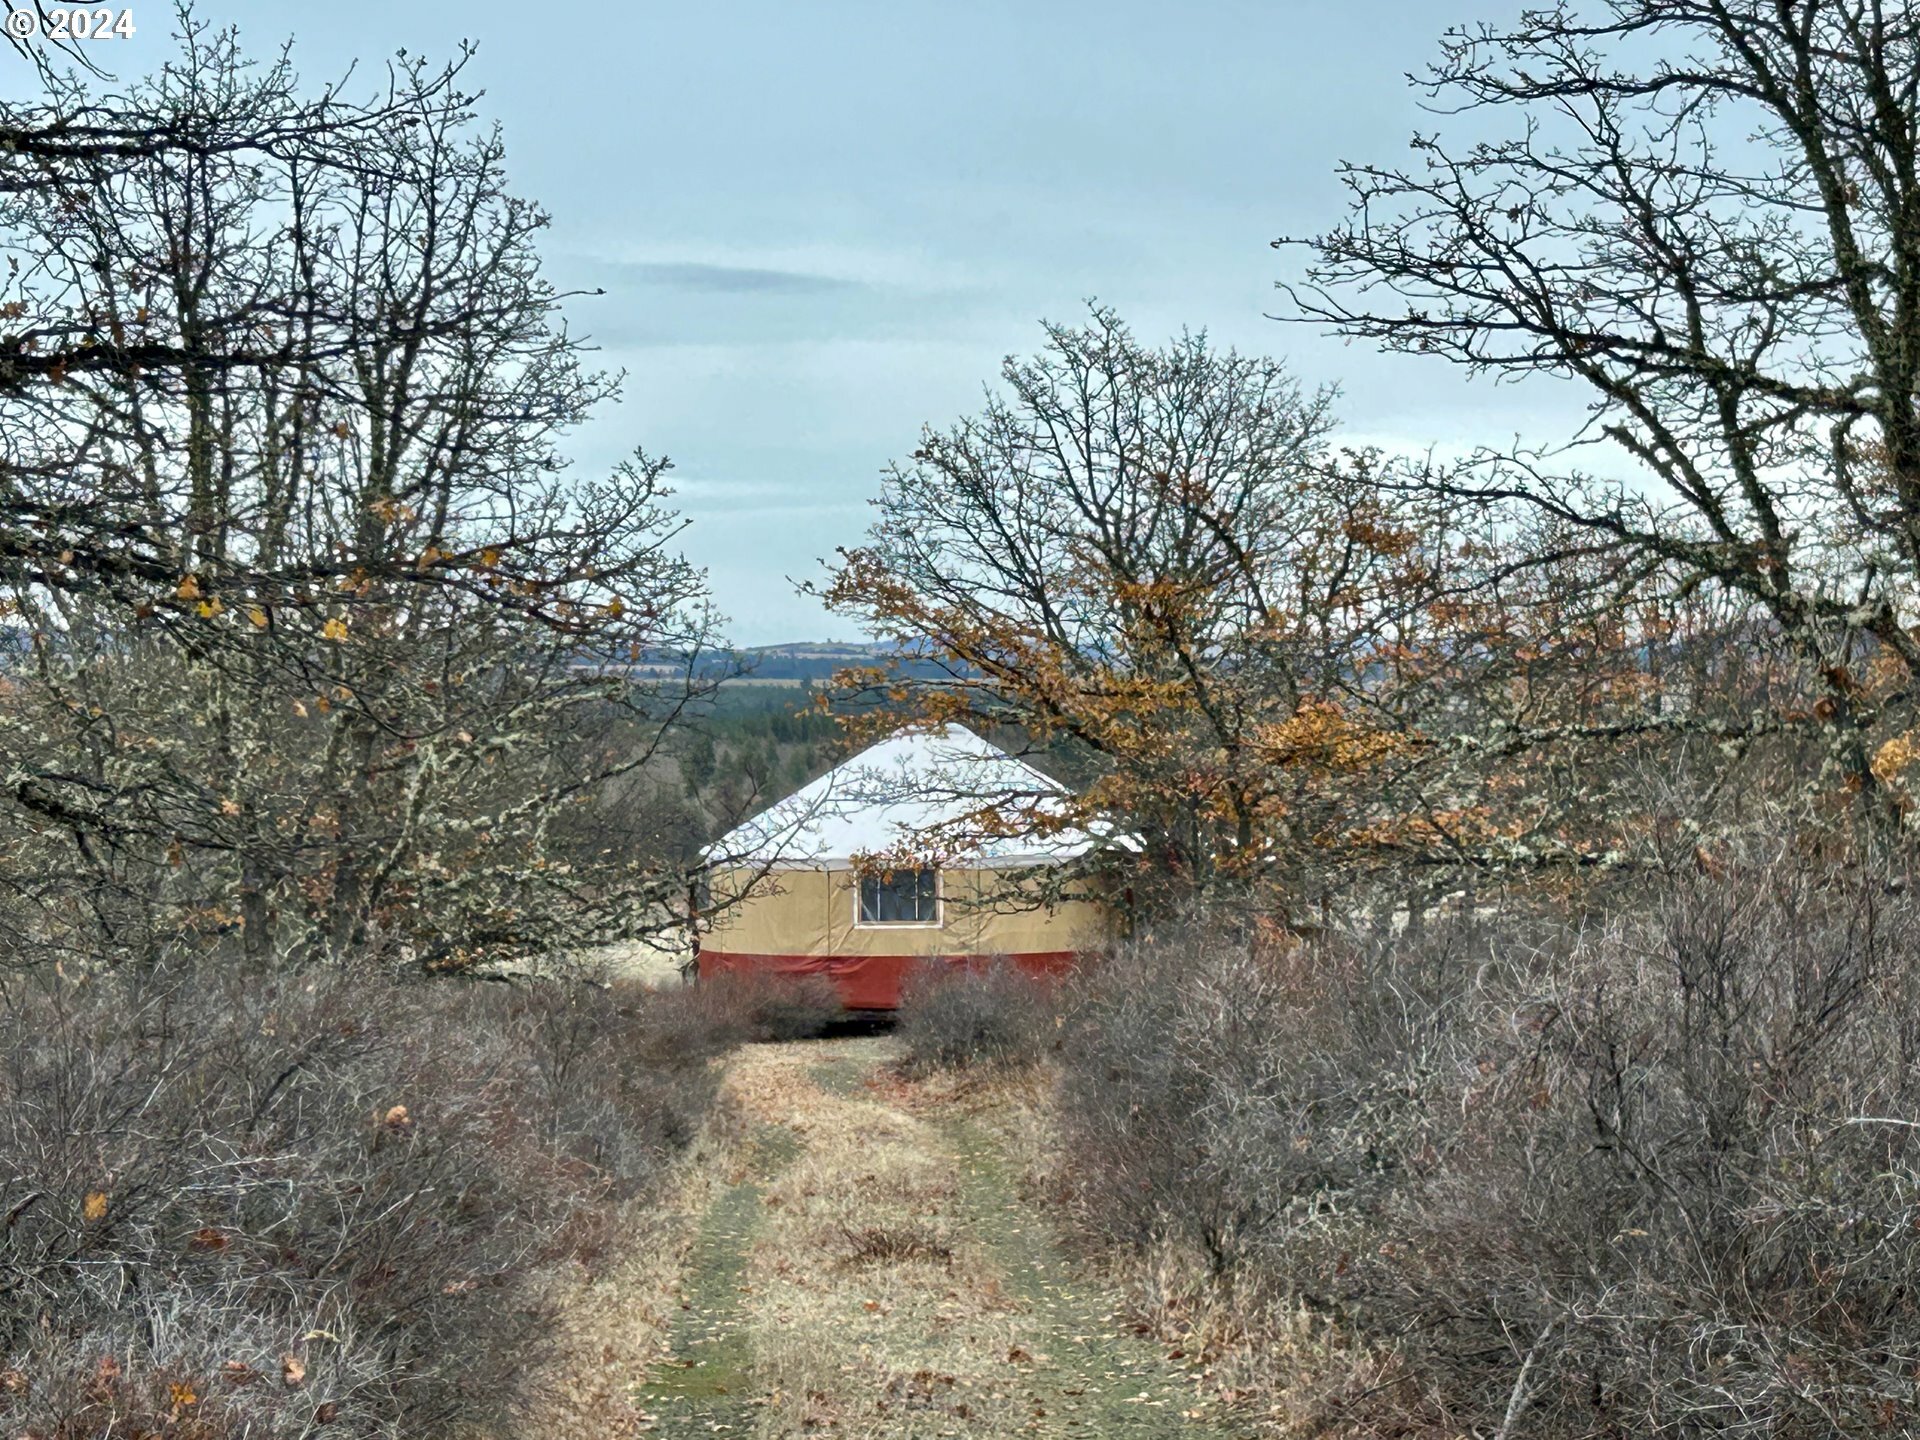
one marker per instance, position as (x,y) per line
(900,897)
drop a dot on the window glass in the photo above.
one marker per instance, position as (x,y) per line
(900,897)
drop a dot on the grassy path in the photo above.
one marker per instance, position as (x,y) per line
(868,1268)
(707,1386)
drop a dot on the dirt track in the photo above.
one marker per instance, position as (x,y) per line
(864,1265)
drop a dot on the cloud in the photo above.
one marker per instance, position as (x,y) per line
(747,299)
(705,279)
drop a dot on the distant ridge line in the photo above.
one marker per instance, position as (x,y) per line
(799,661)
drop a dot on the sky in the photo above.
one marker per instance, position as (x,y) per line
(822,224)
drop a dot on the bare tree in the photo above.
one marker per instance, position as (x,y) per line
(320,640)
(1705,213)
(1151,559)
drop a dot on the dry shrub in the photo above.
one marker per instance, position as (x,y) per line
(1658,1177)
(894,1245)
(757,1005)
(1167,1036)
(960,1017)
(256,1206)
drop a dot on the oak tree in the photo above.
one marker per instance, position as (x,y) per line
(316,640)
(1151,562)
(1703,213)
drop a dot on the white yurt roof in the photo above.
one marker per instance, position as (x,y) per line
(880,800)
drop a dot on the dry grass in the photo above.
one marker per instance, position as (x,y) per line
(1275,1366)
(900,1284)
(1279,1368)
(615,1325)
(878,1300)
(868,1294)
(378,1194)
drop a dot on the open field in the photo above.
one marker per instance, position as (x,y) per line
(656,960)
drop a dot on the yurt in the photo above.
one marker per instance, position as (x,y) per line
(882,864)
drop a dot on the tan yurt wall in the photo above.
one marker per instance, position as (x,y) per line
(812,912)
(788,912)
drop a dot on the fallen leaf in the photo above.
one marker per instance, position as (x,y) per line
(293,1371)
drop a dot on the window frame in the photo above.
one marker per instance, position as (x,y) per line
(939,902)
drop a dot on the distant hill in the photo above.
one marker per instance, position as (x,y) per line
(799,663)
(817,660)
